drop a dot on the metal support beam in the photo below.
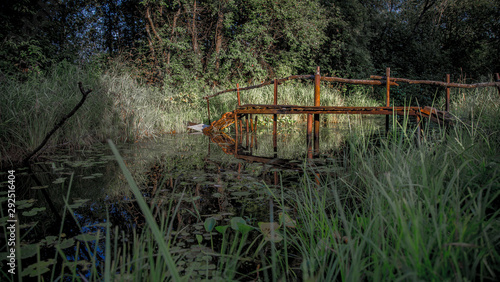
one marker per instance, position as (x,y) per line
(497,78)
(387,96)
(419,128)
(309,135)
(275,116)
(447,107)
(238,93)
(317,80)
(236,133)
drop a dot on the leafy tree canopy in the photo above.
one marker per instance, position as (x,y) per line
(209,43)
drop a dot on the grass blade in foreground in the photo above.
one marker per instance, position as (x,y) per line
(160,240)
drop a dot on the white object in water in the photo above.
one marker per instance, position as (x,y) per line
(198,127)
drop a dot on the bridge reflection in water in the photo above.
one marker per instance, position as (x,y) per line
(245,146)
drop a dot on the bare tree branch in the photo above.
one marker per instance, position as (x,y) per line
(59,124)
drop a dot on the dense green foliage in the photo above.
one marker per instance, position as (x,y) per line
(209,43)
(390,209)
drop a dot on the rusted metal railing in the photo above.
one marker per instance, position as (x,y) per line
(314,119)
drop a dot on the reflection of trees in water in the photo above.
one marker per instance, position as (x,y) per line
(204,189)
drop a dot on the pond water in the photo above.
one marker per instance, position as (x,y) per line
(217,177)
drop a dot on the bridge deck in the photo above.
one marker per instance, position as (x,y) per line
(290,109)
(228,118)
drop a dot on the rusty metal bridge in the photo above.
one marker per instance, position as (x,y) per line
(313,112)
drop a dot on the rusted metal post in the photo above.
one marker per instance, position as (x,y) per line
(275,146)
(275,116)
(275,125)
(208,110)
(497,76)
(246,120)
(241,131)
(309,127)
(247,136)
(251,143)
(316,145)
(236,129)
(387,96)
(447,107)
(255,142)
(317,79)
(418,131)
(236,146)
(309,135)
(275,138)
(251,122)
(238,93)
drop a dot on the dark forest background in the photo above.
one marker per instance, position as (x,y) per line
(213,43)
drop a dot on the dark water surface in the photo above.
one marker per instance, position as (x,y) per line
(216,177)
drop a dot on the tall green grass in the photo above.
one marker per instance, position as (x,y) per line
(119,108)
(403,212)
(122,109)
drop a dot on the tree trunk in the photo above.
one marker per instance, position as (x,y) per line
(148,15)
(194,32)
(218,38)
(150,40)
(172,34)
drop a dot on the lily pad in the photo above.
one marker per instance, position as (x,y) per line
(244,228)
(40,187)
(199,238)
(239,224)
(270,231)
(78,203)
(287,220)
(87,237)
(234,222)
(49,240)
(59,180)
(33,211)
(25,204)
(222,229)
(66,243)
(29,250)
(38,268)
(240,193)
(210,224)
